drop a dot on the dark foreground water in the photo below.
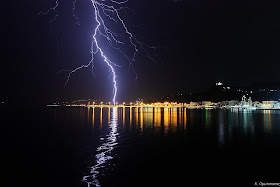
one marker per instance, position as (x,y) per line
(139,147)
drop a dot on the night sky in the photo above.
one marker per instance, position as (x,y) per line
(198,43)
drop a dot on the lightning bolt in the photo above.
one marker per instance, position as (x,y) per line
(107,9)
(52,9)
(74,12)
(109,63)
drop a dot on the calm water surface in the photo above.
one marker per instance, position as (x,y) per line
(140,146)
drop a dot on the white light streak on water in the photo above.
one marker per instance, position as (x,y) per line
(104,151)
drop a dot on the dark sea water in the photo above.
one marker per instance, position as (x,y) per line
(76,146)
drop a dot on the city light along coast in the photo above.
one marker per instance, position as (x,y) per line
(244,104)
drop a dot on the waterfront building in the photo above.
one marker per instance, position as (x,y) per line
(230,103)
(250,102)
(270,104)
(206,103)
(225,103)
(193,105)
(257,104)
(233,103)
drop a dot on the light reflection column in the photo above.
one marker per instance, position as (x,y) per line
(173,123)
(166,119)
(130,116)
(157,119)
(101,116)
(185,119)
(221,128)
(88,114)
(180,115)
(136,116)
(123,119)
(267,121)
(92,116)
(141,119)
(109,108)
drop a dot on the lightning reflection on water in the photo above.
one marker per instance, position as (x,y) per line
(104,151)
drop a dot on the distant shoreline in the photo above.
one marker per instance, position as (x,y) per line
(121,106)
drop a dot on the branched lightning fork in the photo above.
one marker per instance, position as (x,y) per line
(109,9)
(51,9)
